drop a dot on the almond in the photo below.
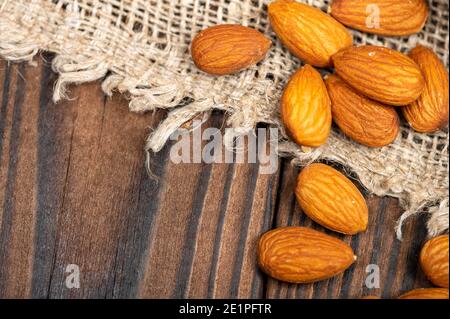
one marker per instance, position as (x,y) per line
(228,48)
(385,17)
(426,293)
(305,108)
(380,73)
(310,34)
(302,255)
(434,260)
(430,111)
(331,199)
(371,297)
(364,120)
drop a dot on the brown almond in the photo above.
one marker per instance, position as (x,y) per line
(385,17)
(310,34)
(430,111)
(364,120)
(305,108)
(331,199)
(434,260)
(302,255)
(380,73)
(228,48)
(426,293)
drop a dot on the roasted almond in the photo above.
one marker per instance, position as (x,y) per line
(305,108)
(430,111)
(364,120)
(331,199)
(382,74)
(302,255)
(228,48)
(310,34)
(385,17)
(434,260)
(426,293)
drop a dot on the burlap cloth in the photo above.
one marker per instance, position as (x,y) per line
(141,48)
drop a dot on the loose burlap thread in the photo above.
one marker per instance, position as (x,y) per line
(141,48)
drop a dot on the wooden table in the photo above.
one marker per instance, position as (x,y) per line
(74,190)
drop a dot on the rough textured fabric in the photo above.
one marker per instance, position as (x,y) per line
(141,48)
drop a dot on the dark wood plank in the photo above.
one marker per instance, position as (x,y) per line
(54,127)
(18,196)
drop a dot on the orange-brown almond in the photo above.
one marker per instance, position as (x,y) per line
(364,120)
(310,34)
(430,111)
(305,108)
(434,260)
(370,297)
(228,48)
(302,255)
(331,199)
(385,17)
(380,73)
(426,293)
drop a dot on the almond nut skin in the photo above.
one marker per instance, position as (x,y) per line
(426,293)
(302,255)
(429,112)
(434,260)
(331,199)
(228,48)
(306,108)
(364,120)
(310,34)
(395,18)
(380,73)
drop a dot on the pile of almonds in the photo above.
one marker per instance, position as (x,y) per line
(369,84)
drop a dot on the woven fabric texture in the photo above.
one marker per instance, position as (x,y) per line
(141,48)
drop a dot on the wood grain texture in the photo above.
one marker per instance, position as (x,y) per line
(74,190)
